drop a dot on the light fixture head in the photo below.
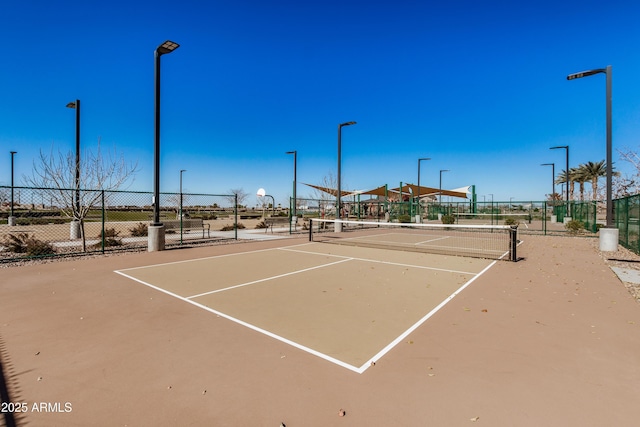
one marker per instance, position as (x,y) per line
(167,47)
(586,73)
(72,104)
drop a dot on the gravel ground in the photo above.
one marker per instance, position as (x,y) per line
(622,258)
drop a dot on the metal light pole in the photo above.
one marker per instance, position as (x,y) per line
(294,211)
(339,194)
(567,175)
(180,210)
(76,106)
(440,188)
(606,71)
(156,231)
(12,219)
(553,177)
(420,160)
(181,172)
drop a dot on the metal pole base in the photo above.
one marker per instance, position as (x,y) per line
(11,220)
(156,238)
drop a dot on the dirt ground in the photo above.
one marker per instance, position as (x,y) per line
(552,340)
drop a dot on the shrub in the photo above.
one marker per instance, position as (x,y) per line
(140,230)
(574,226)
(448,219)
(111,237)
(510,221)
(404,218)
(231,228)
(261,224)
(23,243)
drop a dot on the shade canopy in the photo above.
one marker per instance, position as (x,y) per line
(407,189)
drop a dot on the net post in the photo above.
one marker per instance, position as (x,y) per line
(513,239)
(311,229)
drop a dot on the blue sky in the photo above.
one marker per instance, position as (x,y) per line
(478,86)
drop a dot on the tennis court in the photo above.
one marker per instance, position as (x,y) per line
(283,331)
(347,305)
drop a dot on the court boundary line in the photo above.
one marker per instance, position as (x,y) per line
(299,346)
(248,325)
(266,279)
(381,262)
(426,317)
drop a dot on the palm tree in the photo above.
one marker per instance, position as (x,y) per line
(562,179)
(593,172)
(580,175)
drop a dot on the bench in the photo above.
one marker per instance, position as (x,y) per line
(275,220)
(188,224)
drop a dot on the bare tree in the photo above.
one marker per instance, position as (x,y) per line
(175,201)
(329,181)
(54,175)
(241,196)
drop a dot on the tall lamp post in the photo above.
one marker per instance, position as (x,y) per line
(606,71)
(180,210)
(181,172)
(75,224)
(553,178)
(339,194)
(156,230)
(440,188)
(567,175)
(294,211)
(419,216)
(12,219)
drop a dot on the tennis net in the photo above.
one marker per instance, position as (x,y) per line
(478,241)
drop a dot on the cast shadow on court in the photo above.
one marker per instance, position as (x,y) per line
(10,419)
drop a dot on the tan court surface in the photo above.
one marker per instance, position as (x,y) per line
(553,340)
(345,304)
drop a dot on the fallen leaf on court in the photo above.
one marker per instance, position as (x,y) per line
(474,419)
(467,309)
(342,413)
(631,322)
(484,310)
(410,342)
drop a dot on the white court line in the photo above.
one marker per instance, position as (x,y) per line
(380,262)
(416,325)
(199,259)
(250,326)
(269,278)
(326,357)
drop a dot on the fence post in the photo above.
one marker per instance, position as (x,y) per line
(103,219)
(235,214)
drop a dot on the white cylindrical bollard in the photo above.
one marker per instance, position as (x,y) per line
(609,239)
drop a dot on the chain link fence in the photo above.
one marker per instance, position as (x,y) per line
(627,221)
(534,217)
(44,222)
